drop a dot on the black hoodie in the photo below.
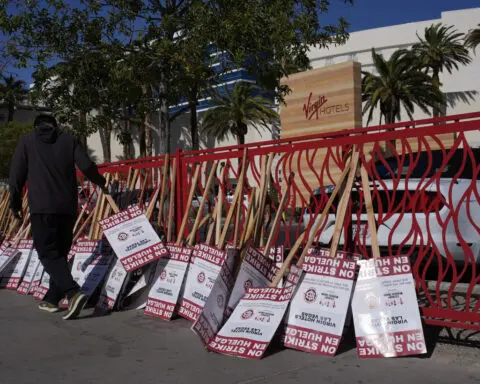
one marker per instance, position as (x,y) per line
(46,160)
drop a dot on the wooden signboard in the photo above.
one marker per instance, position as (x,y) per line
(321,100)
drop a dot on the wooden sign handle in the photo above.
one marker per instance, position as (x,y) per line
(249,219)
(342,207)
(202,203)
(339,186)
(171,203)
(240,204)
(163,193)
(218,220)
(278,216)
(266,172)
(288,260)
(372,227)
(189,204)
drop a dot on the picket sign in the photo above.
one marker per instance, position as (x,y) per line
(26,284)
(114,282)
(6,257)
(252,325)
(133,238)
(385,306)
(207,260)
(43,287)
(37,279)
(213,314)
(25,248)
(171,270)
(91,262)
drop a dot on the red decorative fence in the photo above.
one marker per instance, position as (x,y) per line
(426,199)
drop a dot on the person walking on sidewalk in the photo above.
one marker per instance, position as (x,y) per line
(46,160)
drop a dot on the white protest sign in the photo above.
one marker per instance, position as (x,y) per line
(37,279)
(25,249)
(32,267)
(256,271)
(43,288)
(113,285)
(213,314)
(385,309)
(319,307)
(6,259)
(171,270)
(252,325)
(84,251)
(202,273)
(133,238)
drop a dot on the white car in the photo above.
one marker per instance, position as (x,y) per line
(423,217)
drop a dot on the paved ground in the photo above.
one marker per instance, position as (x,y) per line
(128,347)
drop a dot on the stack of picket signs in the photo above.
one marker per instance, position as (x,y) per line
(241,294)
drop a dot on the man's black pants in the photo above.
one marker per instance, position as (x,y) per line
(52,238)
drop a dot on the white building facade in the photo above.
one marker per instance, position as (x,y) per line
(461,87)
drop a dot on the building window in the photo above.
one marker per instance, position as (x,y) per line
(329,61)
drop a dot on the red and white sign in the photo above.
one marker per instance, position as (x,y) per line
(6,259)
(25,248)
(26,284)
(171,270)
(253,323)
(319,306)
(133,238)
(202,273)
(37,279)
(213,313)
(385,309)
(111,289)
(256,271)
(43,288)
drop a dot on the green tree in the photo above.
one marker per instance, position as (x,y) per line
(12,93)
(10,134)
(398,84)
(472,40)
(235,111)
(441,48)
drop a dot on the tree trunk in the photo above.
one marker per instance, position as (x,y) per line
(11,111)
(106,135)
(141,139)
(148,134)
(438,109)
(164,121)
(83,122)
(126,140)
(194,125)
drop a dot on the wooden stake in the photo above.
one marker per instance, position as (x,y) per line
(202,203)
(249,219)
(236,196)
(372,226)
(189,204)
(164,189)
(172,201)
(278,217)
(218,226)
(266,172)
(238,214)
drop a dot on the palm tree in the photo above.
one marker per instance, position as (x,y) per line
(234,111)
(399,83)
(442,48)
(473,38)
(12,92)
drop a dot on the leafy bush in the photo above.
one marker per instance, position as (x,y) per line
(10,134)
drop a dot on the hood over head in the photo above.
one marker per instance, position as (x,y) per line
(46,129)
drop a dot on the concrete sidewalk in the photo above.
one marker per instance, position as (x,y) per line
(128,347)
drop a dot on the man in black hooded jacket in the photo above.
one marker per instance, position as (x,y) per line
(46,160)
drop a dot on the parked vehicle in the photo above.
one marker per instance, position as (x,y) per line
(417,210)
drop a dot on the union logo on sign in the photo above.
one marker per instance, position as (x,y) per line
(163,275)
(310,295)
(371,300)
(201,277)
(247,314)
(122,236)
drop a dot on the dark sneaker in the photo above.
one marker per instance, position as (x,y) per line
(75,305)
(48,307)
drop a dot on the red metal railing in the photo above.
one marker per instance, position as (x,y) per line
(426,199)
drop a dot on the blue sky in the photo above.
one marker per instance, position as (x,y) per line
(366,14)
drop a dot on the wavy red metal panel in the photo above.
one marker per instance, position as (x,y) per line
(428,207)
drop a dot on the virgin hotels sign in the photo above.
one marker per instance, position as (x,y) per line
(317,107)
(322,100)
